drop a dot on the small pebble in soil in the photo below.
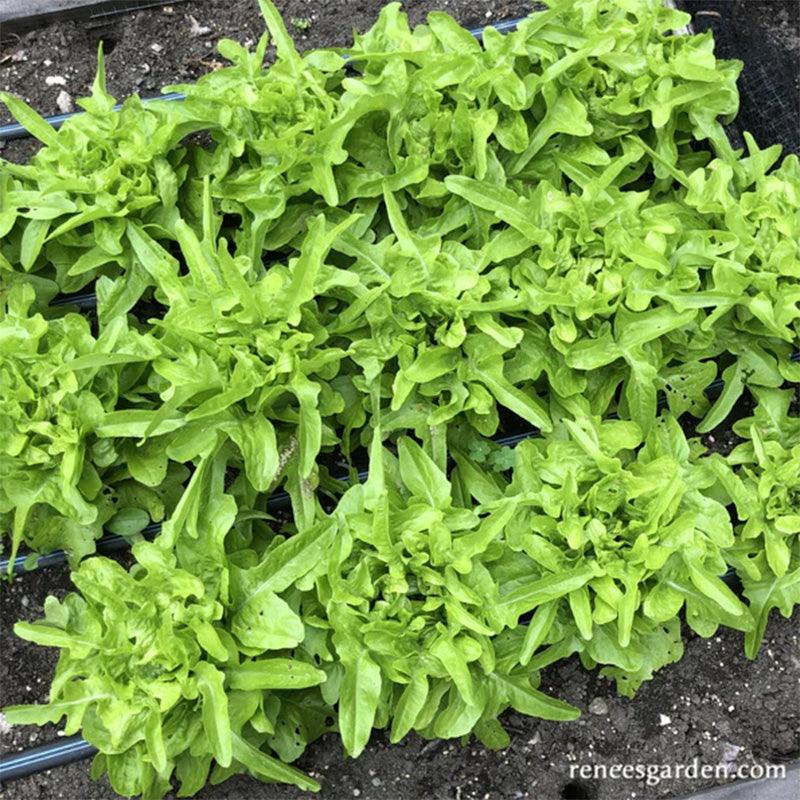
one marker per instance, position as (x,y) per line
(663,720)
(64,103)
(730,752)
(55,80)
(196,29)
(598,706)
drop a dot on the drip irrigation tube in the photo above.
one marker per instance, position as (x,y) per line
(83,300)
(15,130)
(114,543)
(38,759)
(110,543)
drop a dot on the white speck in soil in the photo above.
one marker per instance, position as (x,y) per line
(64,103)
(730,752)
(598,706)
(663,719)
(196,29)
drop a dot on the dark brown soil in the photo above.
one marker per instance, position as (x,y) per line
(720,706)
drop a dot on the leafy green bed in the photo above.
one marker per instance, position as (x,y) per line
(385,256)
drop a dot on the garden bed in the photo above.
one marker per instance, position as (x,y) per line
(720,707)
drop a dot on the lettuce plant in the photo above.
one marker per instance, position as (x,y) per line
(414,608)
(150,676)
(620,535)
(177,667)
(763,484)
(61,482)
(64,215)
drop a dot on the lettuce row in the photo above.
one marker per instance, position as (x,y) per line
(427,598)
(550,212)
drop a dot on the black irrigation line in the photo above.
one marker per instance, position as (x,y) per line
(15,130)
(115,543)
(38,759)
(85,301)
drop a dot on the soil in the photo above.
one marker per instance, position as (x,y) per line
(721,707)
